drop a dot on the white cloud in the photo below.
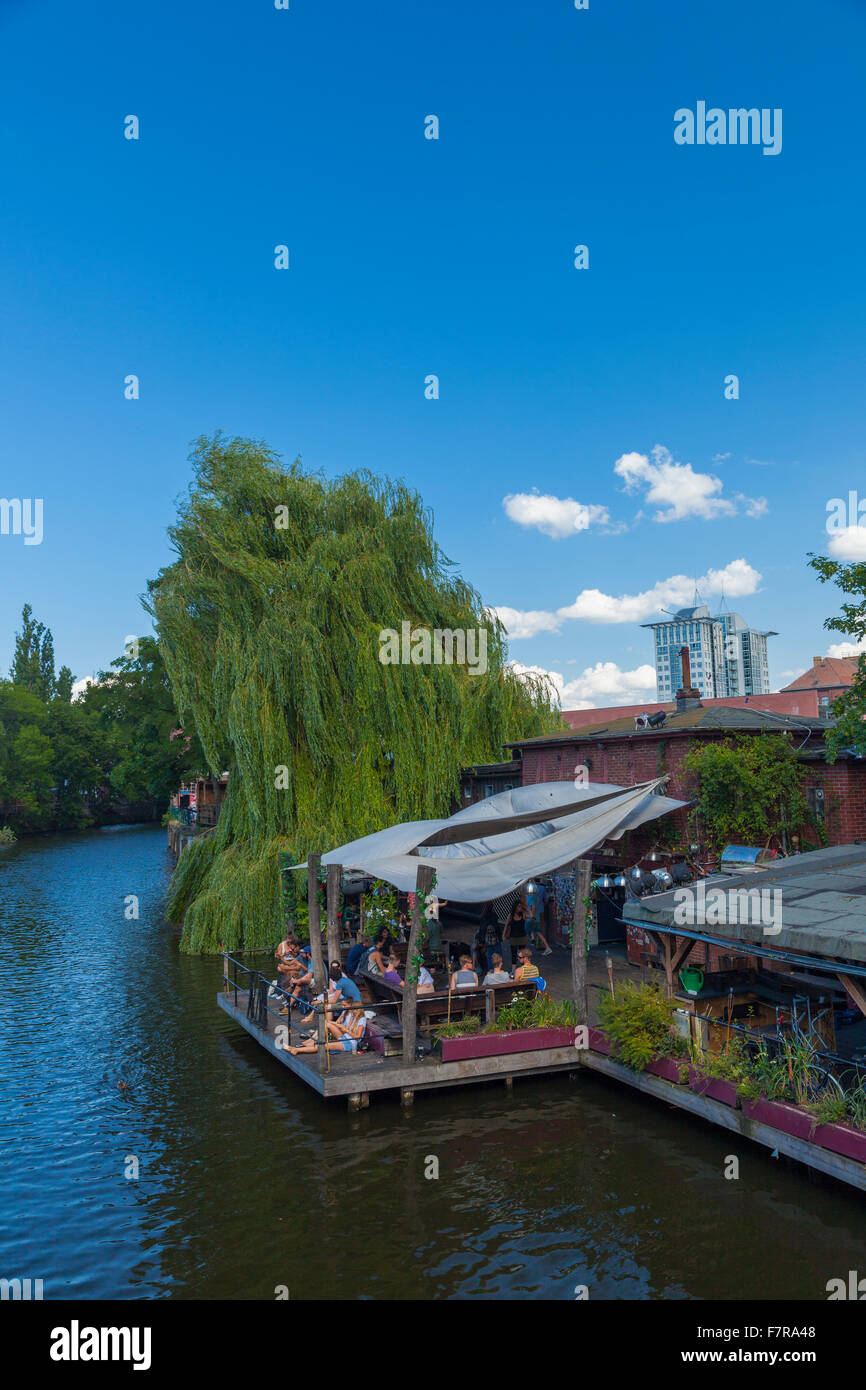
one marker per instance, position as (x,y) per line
(554,516)
(677,491)
(519,624)
(720,458)
(599,685)
(737,579)
(674,488)
(592,606)
(755,506)
(848,543)
(846,649)
(79,687)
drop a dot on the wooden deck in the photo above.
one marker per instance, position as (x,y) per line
(357,1075)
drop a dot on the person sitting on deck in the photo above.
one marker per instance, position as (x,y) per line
(346,1032)
(392,974)
(353,959)
(464,977)
(376,959)
(289,963)
(497,974)
(425,981)
(302,980)
(346,987)
(525,970)
(333,1000)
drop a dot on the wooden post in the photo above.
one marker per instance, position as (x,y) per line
(319,972)
(423,884)
(335,876)
(582,880)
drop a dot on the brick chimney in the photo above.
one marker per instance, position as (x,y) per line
(688,697)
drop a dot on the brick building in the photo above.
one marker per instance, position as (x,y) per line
(827,678)
(619,752)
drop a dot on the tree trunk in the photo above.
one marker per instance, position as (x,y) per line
(423,884)
(335,876)
(319,973)
(582,880)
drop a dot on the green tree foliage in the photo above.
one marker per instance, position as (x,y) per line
(33,658)
(269,624)
(81,758)
(132,703)
(26,759)
(849,730)
(65,681)
(61,761)
(748,789)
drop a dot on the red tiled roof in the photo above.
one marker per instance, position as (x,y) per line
(826,672)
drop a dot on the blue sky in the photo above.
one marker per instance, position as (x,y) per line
(454,257)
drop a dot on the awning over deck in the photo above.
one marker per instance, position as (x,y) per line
(491,847)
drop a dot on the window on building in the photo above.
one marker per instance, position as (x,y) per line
(815,802)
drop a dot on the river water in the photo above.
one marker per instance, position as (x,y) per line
(247,1182)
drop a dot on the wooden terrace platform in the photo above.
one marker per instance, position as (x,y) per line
(356,1075)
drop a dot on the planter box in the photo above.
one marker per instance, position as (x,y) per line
(714,1088)
(599,1041)
(500,1044)
(841,1139)
(666,1067)
(788,1118)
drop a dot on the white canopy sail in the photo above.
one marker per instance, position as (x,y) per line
(494,861)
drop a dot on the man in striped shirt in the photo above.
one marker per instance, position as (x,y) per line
(525,970)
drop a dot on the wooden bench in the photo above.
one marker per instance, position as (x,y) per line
(436,1008)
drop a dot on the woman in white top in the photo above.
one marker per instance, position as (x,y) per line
(347,1032)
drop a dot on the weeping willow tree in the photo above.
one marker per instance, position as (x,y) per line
(269,622)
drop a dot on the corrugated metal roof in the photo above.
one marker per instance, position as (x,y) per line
(821,904)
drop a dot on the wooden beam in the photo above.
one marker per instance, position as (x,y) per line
(856,991)
(319,972)
(669,974)
(335,877)
(683,953)
(582,880)
(423,884)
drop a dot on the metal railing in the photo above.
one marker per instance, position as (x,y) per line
(264,999)
(825,1066)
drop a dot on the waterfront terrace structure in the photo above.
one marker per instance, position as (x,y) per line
(615,750)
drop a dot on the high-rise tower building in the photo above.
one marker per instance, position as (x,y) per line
(727,656)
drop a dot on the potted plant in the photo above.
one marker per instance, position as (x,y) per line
(841,1123)
(598,1041)
(637,1019)
(524,1025)
(716,1075)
